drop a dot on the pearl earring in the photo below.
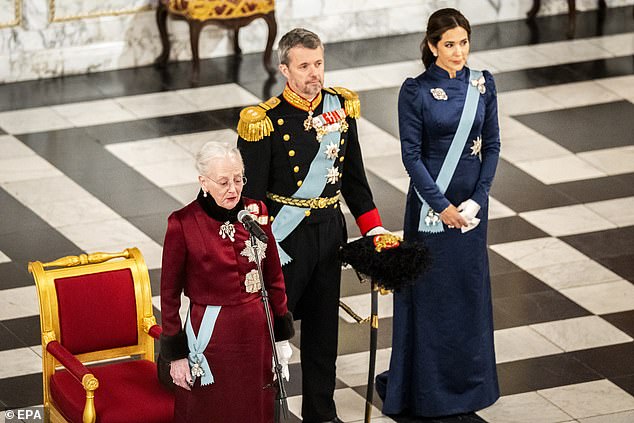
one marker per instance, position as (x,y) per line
(204,193)
(435,54)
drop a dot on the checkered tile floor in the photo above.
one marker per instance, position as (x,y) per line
(97,162)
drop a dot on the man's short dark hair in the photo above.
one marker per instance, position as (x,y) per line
(295,37)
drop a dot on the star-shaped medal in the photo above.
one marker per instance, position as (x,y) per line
(333,175)
(477,146)
(250,254)
(332,151)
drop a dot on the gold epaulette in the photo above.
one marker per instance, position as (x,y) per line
(254,124)
(352,103)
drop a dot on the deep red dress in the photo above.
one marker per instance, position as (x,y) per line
(212,271)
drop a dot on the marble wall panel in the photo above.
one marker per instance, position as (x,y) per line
(10,13)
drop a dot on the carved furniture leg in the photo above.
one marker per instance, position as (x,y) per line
(236,42)
(161,20)
(272,24)
(195,28)
(533,12)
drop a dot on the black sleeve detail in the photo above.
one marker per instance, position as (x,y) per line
(174,347)
(283,327)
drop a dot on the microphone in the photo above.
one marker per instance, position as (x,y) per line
(252,226)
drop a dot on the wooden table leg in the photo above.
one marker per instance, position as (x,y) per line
(161,20)
(272,24)
(194,35)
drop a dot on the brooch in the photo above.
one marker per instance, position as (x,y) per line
(438,93)
(477,146)
(227,230)
(480,84)
(432,218)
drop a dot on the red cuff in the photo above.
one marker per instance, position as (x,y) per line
(369,220)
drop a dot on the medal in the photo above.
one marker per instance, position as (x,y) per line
(252,282)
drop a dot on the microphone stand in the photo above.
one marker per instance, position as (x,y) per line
(281,397)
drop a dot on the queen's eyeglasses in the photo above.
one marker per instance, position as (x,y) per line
(225,183)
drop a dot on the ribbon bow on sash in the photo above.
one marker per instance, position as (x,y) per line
(289,217)
(197,345)
(429,221)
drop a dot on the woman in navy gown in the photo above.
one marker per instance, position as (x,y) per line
(443,359)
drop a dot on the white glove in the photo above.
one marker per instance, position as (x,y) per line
(468,210)
(378,230)
(284,353)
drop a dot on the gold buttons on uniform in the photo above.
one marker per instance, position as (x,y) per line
(291,153)
(343,141)
(341,159)
(272,218)
(296,169)
(286,137)
(299,183)
(280,121)
(335,206)
(307,213)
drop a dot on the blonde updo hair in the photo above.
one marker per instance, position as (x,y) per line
(214,150)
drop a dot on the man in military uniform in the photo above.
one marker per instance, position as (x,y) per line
(301,152)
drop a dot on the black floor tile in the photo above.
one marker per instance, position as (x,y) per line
(610,361)
(2,132)
(604,68)
(502,319)
(154,225)
(351,285)
(542,373)
(155,281)
(538,307)
(534,78)
(195,122)
(26,329)
(521,192)
(516,284)
(459,418)
(131,81)
(625,382)
(513,228)
(622,265)
(21,391)
(13,275)
(498,265)
(586,128)
(389,201)
(123,131)
(604,244)
(395,48)
(623,320)
(599,189)
(8,340)
(363,390)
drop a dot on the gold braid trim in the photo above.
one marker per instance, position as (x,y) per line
(308,203)
(352,103)
(254,124)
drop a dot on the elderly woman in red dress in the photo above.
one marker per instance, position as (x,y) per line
(220,359)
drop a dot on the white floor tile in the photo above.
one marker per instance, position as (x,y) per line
(156,104)
(620,85)
(579,273)
(46,190)
(152,252)
(89,237)
(528,407)
(512,128)
(73,212)
(389,167)
(351,406)
(11,147)
(26,168)
(4,258)
(530,147)
(568,220)
(377,143)
(19,302)
(560,169)
(580,50)
(93,112)
(394,74)
(611,297)
(23,362)
(515,58)
(611,161)
(139,153)
(477,61)
(539,252)
(193,142)
(401,184)
(622,417)
(618,44)
(497,210)
(589,399)
(185,193)
(352,369)
(619,211)
(170,173)
(581,333)
(360,304)
(520,343)
(579,94)
(32,120)
(525,101)
(218,97)
(354,79)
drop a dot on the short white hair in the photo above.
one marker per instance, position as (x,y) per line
(213,150)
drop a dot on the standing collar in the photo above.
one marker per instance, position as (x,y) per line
(300,102)
(439,72)
(213,210)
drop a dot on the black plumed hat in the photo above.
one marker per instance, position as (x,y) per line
(390,261)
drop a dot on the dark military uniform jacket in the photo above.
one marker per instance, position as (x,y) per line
(278,149)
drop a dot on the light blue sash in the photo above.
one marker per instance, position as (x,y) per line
(313,185)
(197,345)
(453,155)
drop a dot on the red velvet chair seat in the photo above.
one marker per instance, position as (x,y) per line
(128,392)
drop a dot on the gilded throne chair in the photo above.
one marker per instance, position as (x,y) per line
(228,14)
(98,332)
